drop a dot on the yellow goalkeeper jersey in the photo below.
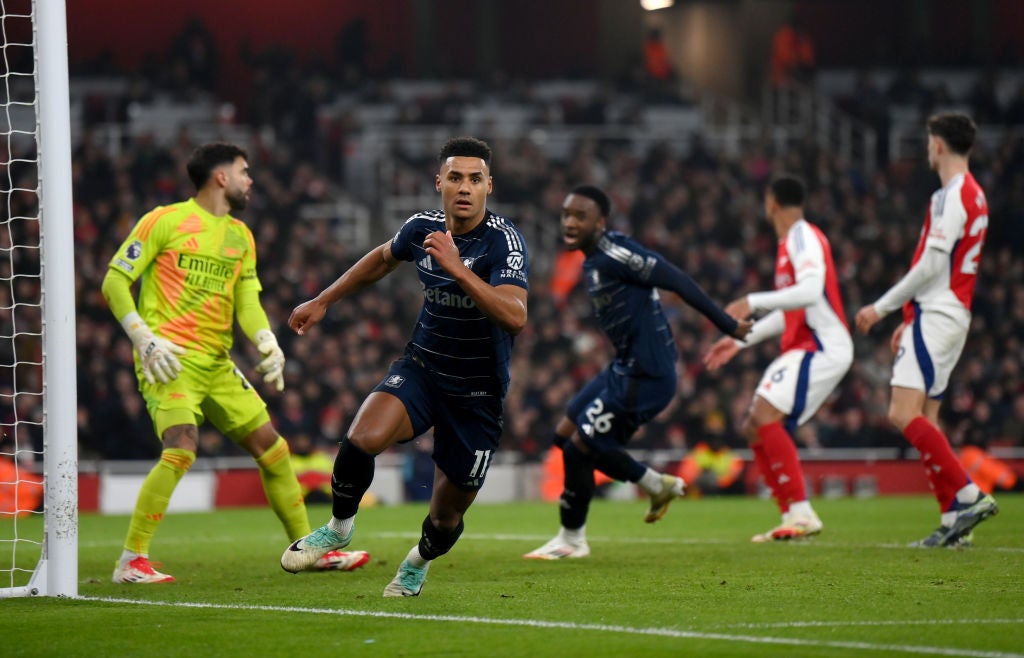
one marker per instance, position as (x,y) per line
(192,266)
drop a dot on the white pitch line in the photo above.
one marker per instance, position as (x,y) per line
(532,623)
(885,622)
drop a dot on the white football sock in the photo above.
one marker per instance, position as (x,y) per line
(802,508)
(573,536)
(414,558)
(342,526)
(651,482)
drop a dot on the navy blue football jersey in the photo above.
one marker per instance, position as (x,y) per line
(623,278)
(453,339)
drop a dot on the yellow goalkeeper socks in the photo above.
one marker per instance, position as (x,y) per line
(282,489)
(154,496)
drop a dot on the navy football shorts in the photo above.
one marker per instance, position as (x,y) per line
(610,409)
(466,430)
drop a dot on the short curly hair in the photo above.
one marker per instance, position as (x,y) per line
(469,147)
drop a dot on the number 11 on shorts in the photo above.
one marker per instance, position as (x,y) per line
(483,460)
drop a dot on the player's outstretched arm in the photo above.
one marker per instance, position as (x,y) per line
(374,266)
(504,305)
(668,276)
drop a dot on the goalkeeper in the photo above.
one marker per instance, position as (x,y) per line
(198,269)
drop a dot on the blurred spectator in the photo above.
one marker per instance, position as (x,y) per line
(986,471)
(313,466)
(21,490)
(657,61)
(712,469)
(417,469)
(792,56)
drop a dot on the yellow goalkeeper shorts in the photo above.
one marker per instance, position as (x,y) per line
(208,388)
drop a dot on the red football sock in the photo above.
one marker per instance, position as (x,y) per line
(945,474)
(783,472)
(761,460)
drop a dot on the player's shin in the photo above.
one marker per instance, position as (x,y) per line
(282,489)
(579,487)
(435,542)
(154,497)
(353,474)
(618,464)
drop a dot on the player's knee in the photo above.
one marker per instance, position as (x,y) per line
(370,440)
(183,437)
(901,417)
(749,428)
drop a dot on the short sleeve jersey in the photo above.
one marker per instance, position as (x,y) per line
(821,325)
(628,307)
(467,353)
(956,224)
(192,264)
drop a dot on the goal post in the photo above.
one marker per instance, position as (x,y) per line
(56,570)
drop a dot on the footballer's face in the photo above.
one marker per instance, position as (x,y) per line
(464,183)
(582,222)
(935,147)
(771,206)
(237,184)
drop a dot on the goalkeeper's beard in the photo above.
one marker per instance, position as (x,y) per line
(236,201)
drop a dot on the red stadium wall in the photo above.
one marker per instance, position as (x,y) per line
(130,31)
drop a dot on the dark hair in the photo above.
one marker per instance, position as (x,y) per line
(208,157)
(596,195)
(788,191)
(957,130)
(469,147)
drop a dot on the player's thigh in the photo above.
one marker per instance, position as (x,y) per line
(178,402)
(608,411)
(232,404)
(384,419)
(466,437)
(402,406)
(798,382)
(928,352)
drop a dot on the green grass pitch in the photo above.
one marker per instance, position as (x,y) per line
(689,585)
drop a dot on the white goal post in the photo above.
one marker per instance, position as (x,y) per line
(46,319)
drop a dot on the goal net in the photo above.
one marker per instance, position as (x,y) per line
(38,445)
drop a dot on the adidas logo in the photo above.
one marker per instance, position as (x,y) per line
(426,262)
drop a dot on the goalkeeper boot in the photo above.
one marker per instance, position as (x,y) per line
(408,581)
(341,561)
(139,570)
(559,548)
(792,527)
(304,552)
(671,488)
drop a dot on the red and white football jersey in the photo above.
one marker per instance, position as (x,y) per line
(956,224)
(821,325)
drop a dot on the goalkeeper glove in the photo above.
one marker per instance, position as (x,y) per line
(272,365)
(158,355)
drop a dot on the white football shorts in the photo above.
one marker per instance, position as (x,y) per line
(929,349)
(798,382)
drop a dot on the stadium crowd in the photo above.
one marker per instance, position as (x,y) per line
(700,208)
